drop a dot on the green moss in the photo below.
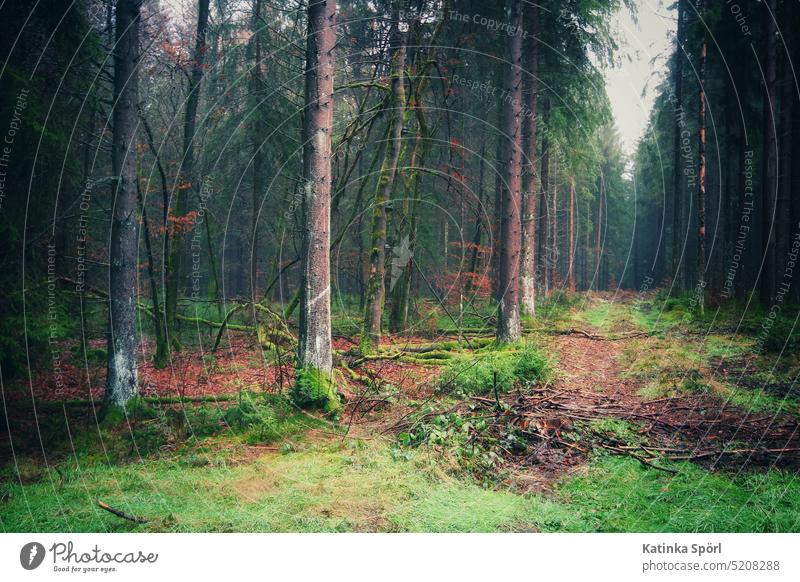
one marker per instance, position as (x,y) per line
(315,389)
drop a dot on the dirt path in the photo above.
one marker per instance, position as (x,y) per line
(702,427)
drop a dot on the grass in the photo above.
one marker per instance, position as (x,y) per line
(497,370)
(759,400)
(356,486)
(254,464)
(618,494)
(324,488)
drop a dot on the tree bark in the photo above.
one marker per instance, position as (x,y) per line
(122,383)
(258,149)
(598,230)
(376,289)
(544,204)
(677,171)
(701,181)
(769,187)
(314,347)
(571,257)
(528,279)
(508,315)
(784,228)
(552,263)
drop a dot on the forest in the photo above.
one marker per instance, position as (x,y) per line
(393,266)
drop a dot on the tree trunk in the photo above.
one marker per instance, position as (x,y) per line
(259,134)
(161,357)
(701,181)
(571,257)
(174,268)
(403,259)
(121,383)
(677,171)
(784,227)
(598,229)
(376,288)
(544,204)
(552,263)
(769,188)
(528,279)
(497,236)
(314,359)
(508,315)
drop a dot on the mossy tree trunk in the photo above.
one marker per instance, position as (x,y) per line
(375,296)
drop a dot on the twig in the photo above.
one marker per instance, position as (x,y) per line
(120,513)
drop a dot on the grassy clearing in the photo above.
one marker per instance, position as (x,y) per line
(324,488)
(359,486)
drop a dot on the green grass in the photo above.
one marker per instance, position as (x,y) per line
(757,400)
(325,488)
(254,464)
(618,494)
(499,369)
(353,486)
(598,315)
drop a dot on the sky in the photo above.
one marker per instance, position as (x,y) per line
(643,54)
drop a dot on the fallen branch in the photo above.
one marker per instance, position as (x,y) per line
(120,513)
(605,338)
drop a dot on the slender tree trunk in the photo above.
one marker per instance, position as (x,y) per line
(161,356)
(770,186)
(552,263)
(701,182)
(258,149)
(376,288)
(784,228)
(478,232)
(794,128)
(122,383)
(314,359)
(587,245)
(508,315)
(174,267)
(677,171)
(598,230)
(571,257)
(403,270)
(497,235)
(528,279)
(543,220)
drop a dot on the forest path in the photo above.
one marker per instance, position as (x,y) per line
(664,388)
(591,365)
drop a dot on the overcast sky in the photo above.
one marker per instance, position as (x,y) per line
(644,50)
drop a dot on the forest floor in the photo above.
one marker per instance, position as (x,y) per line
(645,423)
